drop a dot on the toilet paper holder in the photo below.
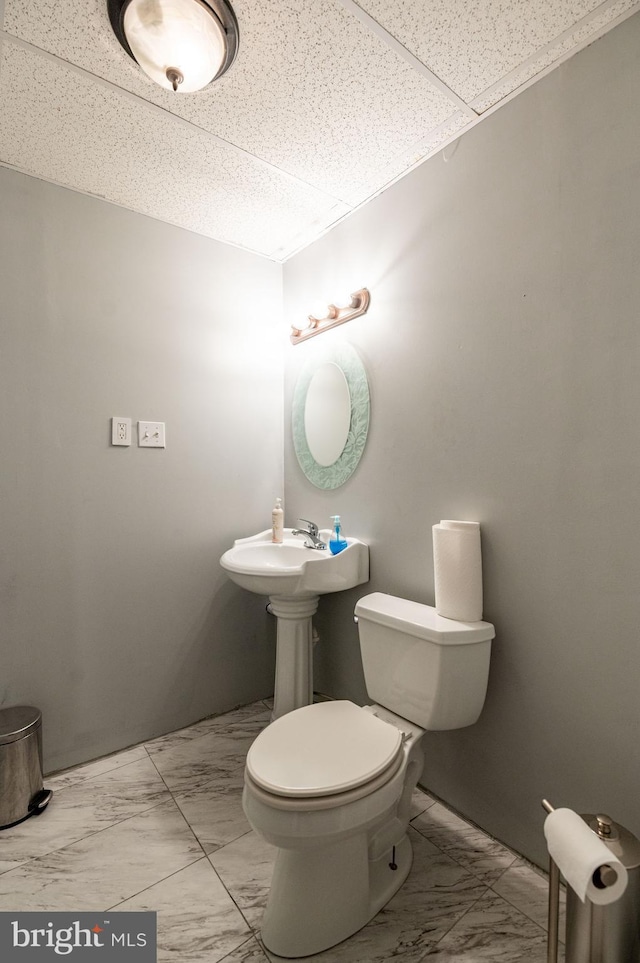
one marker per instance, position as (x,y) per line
(623,932)
(554,902)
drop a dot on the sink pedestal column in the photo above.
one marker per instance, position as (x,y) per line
(294,661)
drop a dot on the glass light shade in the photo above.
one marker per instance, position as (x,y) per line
(319,309)
(175,35)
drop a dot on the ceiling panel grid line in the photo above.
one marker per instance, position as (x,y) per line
(162,111)
(372,24)
(575,38)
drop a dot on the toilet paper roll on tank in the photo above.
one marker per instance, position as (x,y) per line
(457,565)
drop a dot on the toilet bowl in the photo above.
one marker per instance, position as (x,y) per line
(330,785)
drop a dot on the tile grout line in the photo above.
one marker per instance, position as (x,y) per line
(175,803)
(155,883)
(97,775)
(227,890)
(228,956)
(460,862)
(460,918)
(81,839)
(507,899)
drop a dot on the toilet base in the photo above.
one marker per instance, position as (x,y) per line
(319,897)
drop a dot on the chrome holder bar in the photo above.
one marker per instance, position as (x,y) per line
(554,902)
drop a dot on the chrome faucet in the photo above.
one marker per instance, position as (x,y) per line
(311,534)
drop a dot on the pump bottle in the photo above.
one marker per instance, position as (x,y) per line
(277,522)
(337,542)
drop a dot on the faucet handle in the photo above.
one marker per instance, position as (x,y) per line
(313,528)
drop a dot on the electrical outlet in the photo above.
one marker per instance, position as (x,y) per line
(151,434)
(120,431)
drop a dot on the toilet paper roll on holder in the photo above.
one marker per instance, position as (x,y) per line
(607,876)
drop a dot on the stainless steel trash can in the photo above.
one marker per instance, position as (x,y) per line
(607,934)
(21,790)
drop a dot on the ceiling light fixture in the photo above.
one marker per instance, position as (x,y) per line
(183,45)
(358,305)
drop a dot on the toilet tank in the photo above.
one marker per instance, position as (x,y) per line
(427,669)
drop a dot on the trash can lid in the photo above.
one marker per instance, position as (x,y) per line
(16,722)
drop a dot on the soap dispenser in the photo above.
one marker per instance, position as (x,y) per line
(277,522)
(337,542)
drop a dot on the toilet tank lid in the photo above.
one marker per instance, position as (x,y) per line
(420,620)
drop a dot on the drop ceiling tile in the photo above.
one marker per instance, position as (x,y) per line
(58,124)
(472,44)
(312,91)
(419,151)
(338,102)
(570,41)
(87,41)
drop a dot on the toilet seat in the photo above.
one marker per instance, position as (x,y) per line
(327,749)
(309,804)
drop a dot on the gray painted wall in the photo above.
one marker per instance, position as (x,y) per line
(116,619)
(503,351)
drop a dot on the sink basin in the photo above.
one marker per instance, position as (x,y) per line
(290,570)
(294,576)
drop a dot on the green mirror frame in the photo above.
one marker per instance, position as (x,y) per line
(332,476)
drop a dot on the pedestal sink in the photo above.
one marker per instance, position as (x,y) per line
(294,576)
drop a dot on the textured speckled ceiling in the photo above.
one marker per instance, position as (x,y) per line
(327,103)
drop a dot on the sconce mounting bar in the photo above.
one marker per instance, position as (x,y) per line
(359,305)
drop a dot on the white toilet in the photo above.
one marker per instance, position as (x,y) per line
(330,784)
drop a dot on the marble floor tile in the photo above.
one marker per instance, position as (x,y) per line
(86,807)
(69,777)
(435,895)
(214,811)
(198,922)
(420,801)
(225,722)
(131,830)
(245,867)
(106,868)
(480,854)
(528,890)
(249,952)
(6,865)
(197,762)
(492,931)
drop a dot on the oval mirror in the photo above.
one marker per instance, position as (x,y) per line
(330,416)
(327,413)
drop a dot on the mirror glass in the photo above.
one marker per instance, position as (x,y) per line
(327,413)
(330,415)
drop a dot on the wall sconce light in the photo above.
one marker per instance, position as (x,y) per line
(335,316)
(181,44)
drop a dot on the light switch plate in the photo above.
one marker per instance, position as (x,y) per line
(151,434)
(120,431)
